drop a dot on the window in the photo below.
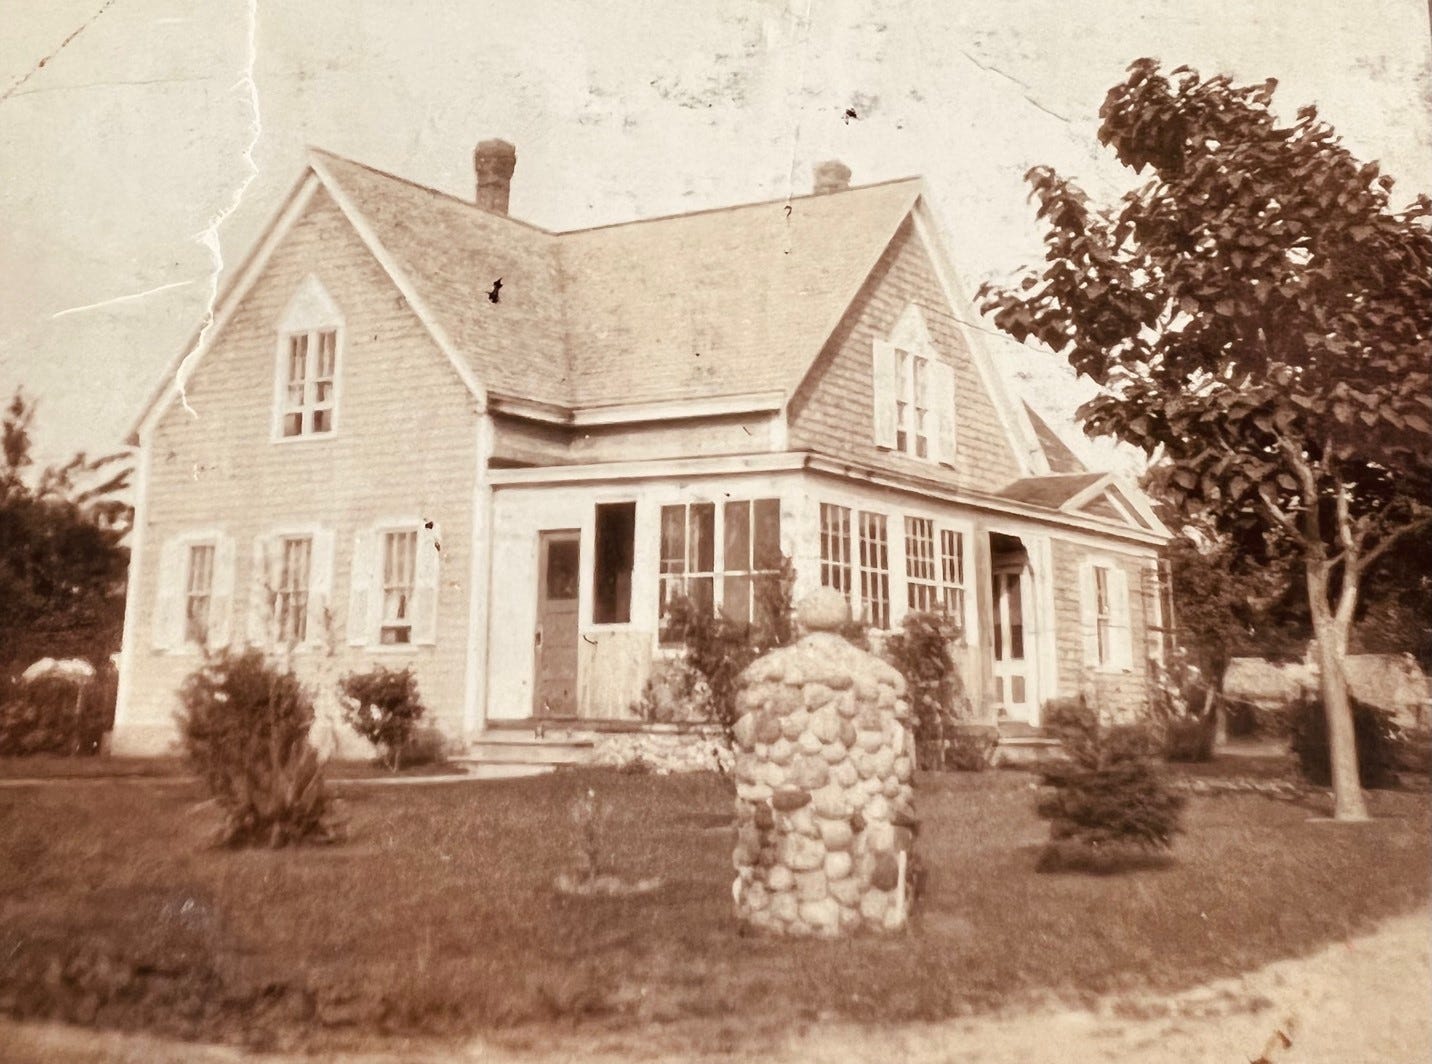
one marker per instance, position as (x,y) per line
(615,541)
(912,411)
(875,569)
(914,392)
(309,376)
(835,547)
(291,594)
(1103,615)
(751,560)
(726,558)
(952,573)
(688,559)
(400,552)
(922,589)
(199,594)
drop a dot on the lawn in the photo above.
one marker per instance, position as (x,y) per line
(438,915)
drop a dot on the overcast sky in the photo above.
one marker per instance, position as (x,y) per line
(117,154)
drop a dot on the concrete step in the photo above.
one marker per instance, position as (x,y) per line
(512,746)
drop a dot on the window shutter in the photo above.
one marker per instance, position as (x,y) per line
(320,587)
(262,585)
(360,580)
(425,586)
(221,602)
(1120,628)
(1089,614)
(884,390)
(942,381)
(169,578)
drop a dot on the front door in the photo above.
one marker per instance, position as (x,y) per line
(555,690)
(1013,689)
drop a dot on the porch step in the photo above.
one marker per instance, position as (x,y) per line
(526,747)
(1023,744)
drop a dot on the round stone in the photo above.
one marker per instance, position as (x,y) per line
(823,916)
(877,809)
(894,919)
(782,751)
(829,801)
(815,695)
(784,907)
(823,610)
(802,822)
(836,834)
(872,906)
(775,775)
(810,772)
(788,799)
(880,836)
(904,769)
(846,891)
(849,918)
(755,897)
(745,731)
(779,878)
(800,853)
(884,762)
(810,886)
(765,819)
(870,741)
(825,724)
(833,753)
(753,792)
(794,725)
(838,865)
(892,787)
(768,728)
(808,742)
(846,705)
(844,774)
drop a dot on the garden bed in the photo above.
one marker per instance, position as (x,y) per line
(439,916)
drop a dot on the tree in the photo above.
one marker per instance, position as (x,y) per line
(1258,313)
(62,557)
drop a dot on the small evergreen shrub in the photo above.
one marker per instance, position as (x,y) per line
(971,747)
(1375,731)
(921,653)
(384,707)
(1111,798)
(244,728)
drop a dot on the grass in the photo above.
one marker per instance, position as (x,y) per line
(60,767)
(438,915)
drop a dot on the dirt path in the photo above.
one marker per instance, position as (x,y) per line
(1365,1001)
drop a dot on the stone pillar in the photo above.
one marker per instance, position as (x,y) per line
(825,816)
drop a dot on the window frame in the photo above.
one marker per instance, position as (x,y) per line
(385,623)
(284,597)
(874,568)
(310,313)
(721,570)
(309,406)
(912,402)
(190,547)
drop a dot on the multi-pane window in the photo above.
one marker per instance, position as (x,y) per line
(835,547)
(751,559)
(688,558)
(912,403)
(309,374)
(199,593)
(875,569)
(1103,615)
(952,572)
(400,552)
(295,558)
(725,559)
(922,590)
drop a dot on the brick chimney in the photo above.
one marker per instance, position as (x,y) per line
(494,161)
(831,176)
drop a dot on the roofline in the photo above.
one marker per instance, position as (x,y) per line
(226,302)
(633,413)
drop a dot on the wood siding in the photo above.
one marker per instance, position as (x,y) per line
(405,446)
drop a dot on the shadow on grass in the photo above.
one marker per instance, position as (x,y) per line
(1056,858)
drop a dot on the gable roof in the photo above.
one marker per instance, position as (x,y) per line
(1060,456)
(1054,491)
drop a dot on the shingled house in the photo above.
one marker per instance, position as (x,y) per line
(420,431)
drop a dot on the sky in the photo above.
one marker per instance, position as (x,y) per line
(144,157)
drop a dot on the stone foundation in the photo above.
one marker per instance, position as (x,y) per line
(664,752)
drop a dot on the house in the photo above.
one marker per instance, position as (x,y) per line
(421,432)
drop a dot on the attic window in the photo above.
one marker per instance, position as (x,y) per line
(914,393)
(306,376)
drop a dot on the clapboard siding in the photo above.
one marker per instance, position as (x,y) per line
(405,445)
(833,411)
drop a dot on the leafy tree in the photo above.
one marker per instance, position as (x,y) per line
(1260,313)
(62,556)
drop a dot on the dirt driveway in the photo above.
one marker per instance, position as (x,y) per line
(1365,1001)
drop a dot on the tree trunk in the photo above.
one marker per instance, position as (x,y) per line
(1348,803)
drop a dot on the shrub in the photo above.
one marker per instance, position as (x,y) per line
(921,652)
(1111,797)
(244,728)
(1184,708)
(1374,729)
(971,747)
(49,715)
(384,707)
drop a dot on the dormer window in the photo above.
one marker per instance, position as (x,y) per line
(914,393)
(310,336)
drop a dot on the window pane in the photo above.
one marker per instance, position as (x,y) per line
(327,353)
(297,360)
(738,537)
(562,555)
(768,534)
(292,424)
(615,532)
(323,421)
(673,539)
(1016,690)
(736,597)
(702,537)
(700,590)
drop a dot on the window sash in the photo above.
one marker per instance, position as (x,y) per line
(721,559)
(835,565)
(309,393)
(291,595)
(875,569)
(1103,615)
(400,552)
(912,403)
(199,593)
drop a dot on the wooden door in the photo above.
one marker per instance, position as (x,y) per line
(558,566)
(1013,677)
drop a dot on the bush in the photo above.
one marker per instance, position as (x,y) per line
(1111,797)
(921,653)
(49,715)
(384,707)
(1376,734)
(244,727)
(971,747)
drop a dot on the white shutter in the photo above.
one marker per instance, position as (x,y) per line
(361,577)
(1089,614)
(425,585)
(221,601)
(320,587)
(168,583)
(262,586)
(942,383)
(1120,626)
(884,388)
